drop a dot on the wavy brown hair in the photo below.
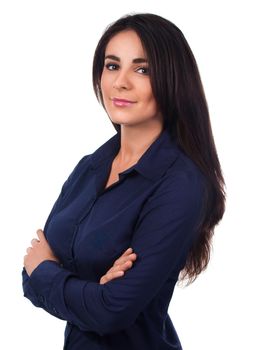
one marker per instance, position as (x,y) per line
(178,90)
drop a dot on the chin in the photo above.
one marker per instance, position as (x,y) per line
(125,118)
(121,119)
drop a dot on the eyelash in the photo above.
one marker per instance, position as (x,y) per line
(115,65)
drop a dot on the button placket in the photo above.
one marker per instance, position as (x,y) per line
(71,260)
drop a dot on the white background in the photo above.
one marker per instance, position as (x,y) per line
(50,118)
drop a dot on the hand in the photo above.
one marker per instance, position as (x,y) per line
(123,263)
(39,252)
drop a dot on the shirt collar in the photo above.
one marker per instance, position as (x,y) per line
(152,164)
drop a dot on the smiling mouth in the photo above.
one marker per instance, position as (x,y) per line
(115,99)
(122,102)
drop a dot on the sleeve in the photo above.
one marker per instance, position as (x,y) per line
(166,228)
(75,174)
(28,292)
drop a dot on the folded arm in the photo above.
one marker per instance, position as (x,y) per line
(166,228)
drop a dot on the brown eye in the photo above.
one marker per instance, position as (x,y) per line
(145,70)
(109,65)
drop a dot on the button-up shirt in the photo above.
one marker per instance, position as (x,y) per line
(155,207)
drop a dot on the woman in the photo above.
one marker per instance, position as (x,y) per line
(155,187)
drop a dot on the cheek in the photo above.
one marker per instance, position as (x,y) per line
(148,97)
(104,83)
(106,92)
(145,90)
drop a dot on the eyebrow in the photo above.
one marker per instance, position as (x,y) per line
(135,60)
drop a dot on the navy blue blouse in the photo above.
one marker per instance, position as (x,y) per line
(155,207)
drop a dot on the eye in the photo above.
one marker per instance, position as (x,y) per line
(145,70)
(114,66)
(108,65)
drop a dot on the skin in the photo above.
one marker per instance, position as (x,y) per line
(37,253)
(141,123)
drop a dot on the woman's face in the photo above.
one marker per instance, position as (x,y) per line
(125,76)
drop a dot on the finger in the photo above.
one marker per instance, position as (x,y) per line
(40,234)
(127,265)
(123,259)
(34,241)
(25,260)
(128,251)
(121,267)
(132,256)
(108,277)
(115,274)
(28,250)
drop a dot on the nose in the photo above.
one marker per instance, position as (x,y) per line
(121,81)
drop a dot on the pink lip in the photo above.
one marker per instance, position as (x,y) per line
(122,102)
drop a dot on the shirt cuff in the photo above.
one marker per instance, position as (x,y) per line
(43,277)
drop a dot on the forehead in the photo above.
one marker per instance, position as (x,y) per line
(125,42)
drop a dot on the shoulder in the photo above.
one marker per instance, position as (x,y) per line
(184,176)
(182,189)
(177,201)
(82,167)
(82,164)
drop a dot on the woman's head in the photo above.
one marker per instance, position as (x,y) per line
(125,76)
(173,72)
(176,97)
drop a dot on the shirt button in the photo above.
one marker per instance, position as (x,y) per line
(54,310)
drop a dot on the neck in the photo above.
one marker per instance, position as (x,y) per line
(135,141)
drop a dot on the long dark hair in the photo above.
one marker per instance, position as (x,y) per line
(178,90)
